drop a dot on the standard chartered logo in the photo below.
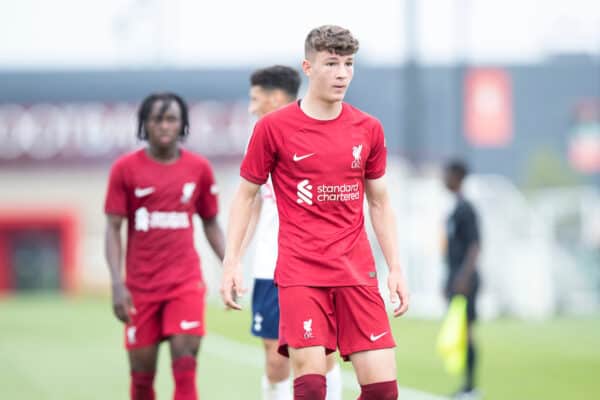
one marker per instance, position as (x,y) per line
(304,192)
(325,193)
(145,220)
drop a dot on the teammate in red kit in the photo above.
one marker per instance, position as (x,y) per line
(157,190)
(323,156)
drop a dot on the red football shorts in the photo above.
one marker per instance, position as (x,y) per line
(351,318)
(156,321)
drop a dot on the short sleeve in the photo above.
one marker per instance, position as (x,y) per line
(207,204)
(376,162)
(471,226)
(260,155)
(116,194)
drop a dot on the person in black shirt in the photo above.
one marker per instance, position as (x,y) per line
(463,245)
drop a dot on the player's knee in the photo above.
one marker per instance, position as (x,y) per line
(143,359)
(308,360)
(184,346)
(310,387)
(278,368)
(277,361)
(379,391)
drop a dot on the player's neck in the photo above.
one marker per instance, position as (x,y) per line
(162,154)
(317,108)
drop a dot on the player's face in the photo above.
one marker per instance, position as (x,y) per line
(329,74)
(451,181)
(261,101)
(164,124)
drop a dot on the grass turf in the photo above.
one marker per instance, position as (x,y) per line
(53,347)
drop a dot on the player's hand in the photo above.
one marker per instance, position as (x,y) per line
(398,292)
(232,286)
(122,303)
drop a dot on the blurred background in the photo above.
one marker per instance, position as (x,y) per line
(512,87)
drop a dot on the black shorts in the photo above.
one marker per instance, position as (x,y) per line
(471,295)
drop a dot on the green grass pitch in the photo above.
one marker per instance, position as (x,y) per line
(59,348)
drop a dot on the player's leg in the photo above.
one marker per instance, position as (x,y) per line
(142,363)
(184,350)
(307,332)
(309,366)
(365,338)
(183,324)
(333,378)
(276,383)
(265,325)
(469,384)
(376,374)
(142,337)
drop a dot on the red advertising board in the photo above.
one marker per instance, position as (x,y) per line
(488,114)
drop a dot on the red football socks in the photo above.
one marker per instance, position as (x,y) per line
(184,373)
(142,385)
(379,391)
(310,387)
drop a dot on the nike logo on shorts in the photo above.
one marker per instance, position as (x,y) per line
(143,192)
(187,325)
(300,158)
(375,338)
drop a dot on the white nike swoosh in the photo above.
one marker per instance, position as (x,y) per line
(376,338)
(187,325)
(142,192)
(300,158)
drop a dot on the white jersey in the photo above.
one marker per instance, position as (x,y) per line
(265,236)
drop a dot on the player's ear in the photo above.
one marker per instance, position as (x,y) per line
(273,99)
(306,67)
(277,98)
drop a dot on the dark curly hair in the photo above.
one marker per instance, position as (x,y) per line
(166,98)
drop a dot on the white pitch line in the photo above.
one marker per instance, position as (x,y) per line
(253,356)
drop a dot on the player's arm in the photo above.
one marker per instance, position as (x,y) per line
(122,304)
(239,217)
(384,225)
(214,235)
(254,216)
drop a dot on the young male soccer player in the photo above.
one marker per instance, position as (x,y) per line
(272,88)
(157,190)
(463,243)
(323,156)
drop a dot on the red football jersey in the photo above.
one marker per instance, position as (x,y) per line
(159,201)
(318,169)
